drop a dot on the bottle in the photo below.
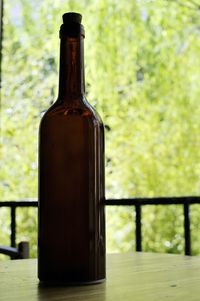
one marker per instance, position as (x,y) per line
(71,234)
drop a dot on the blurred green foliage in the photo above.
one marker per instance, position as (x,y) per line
(142,72)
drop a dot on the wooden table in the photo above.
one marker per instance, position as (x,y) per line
(130,277)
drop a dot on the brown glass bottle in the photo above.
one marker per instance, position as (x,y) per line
(71,235)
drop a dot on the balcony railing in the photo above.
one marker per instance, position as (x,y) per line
(138,203)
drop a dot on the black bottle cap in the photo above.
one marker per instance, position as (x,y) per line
(72,18)
(72,26)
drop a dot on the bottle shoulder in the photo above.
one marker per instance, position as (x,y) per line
(79,108)
(93,111)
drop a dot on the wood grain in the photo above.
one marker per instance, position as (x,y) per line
(130,277)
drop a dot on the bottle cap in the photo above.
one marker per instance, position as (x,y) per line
(72,26)
(72,18)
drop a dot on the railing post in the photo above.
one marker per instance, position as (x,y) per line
(187,233)
(138,226)
(13,226)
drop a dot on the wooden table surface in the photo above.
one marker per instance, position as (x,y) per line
(130,277)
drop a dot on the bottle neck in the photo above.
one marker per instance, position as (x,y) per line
(71,77)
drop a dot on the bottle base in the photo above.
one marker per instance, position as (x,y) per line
(44,283)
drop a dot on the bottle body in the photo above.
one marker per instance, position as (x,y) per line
(71,232)
(71,196)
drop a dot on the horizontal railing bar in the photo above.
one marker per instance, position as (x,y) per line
(118,202)
(153,201)
(22,203)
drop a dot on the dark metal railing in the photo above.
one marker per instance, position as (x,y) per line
(136,202)
(13,205)
(139,202)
